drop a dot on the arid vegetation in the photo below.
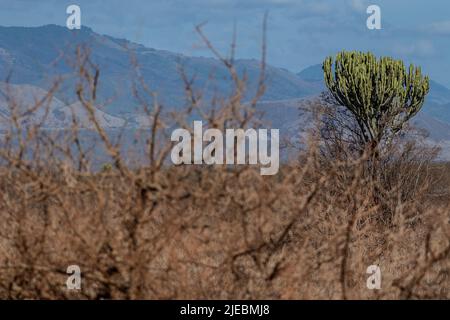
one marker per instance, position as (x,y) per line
(148,229)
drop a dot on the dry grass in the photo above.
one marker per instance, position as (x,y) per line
(156,231)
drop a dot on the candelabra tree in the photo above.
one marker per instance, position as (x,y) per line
(381,94)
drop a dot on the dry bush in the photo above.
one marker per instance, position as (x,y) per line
(147,229)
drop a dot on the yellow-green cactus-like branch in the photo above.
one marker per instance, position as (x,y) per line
(381,93)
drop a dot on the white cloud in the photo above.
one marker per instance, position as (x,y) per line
(358,5)
(440,27)
(421,48)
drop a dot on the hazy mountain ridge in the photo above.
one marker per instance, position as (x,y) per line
(36,55)
(33,56)
(59,115)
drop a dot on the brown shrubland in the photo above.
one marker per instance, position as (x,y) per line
(146,229)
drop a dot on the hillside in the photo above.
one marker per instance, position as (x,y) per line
(34,56)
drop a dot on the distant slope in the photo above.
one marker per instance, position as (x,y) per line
(438,111)
(59,114)
(437,130)
(36,55)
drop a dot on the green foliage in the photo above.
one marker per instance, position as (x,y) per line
(381,93)
(107,167)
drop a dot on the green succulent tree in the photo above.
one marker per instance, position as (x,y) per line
(381,93)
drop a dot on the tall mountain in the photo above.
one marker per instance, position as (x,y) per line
(53,115)
(35,55)
(31,57)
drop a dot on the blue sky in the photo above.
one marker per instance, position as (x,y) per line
(300,32)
